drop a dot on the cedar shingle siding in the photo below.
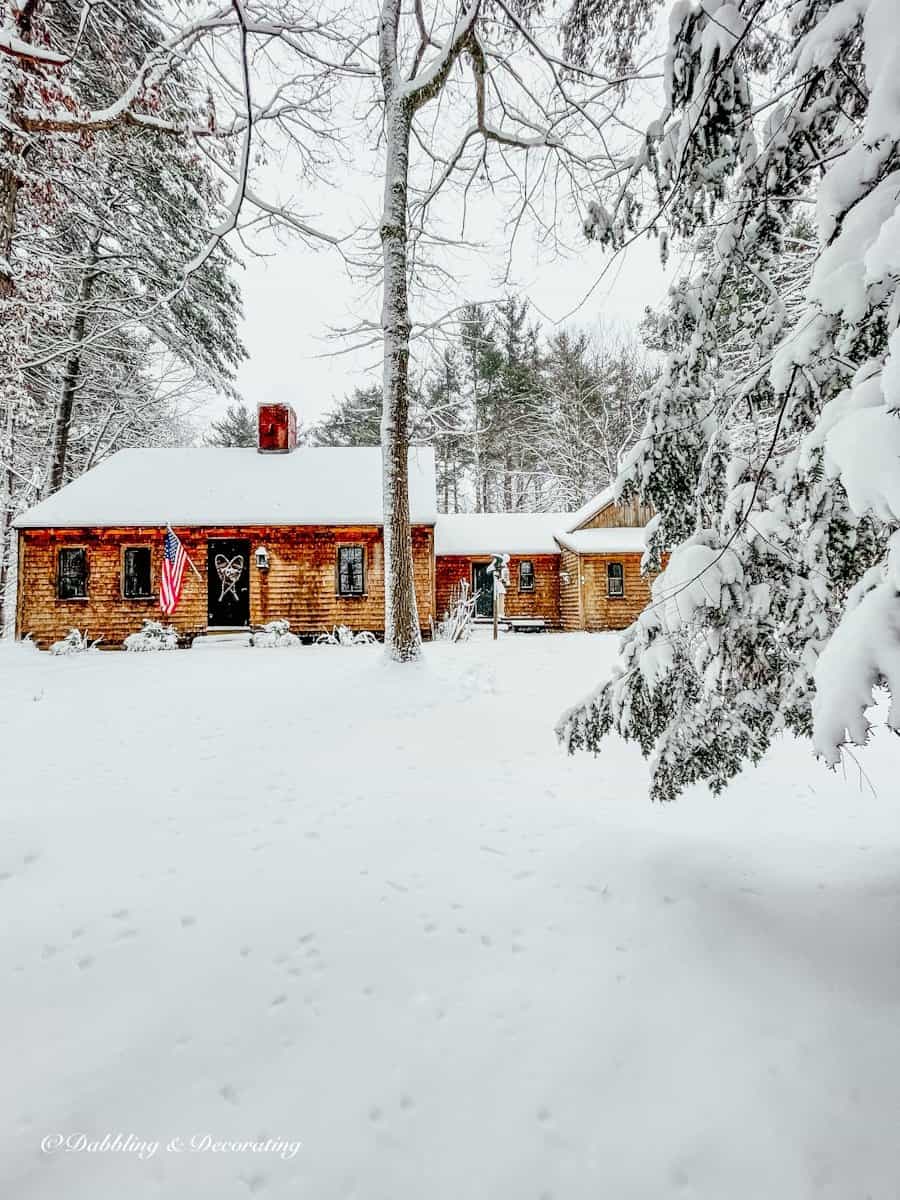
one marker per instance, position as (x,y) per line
(300,584)
(543,601)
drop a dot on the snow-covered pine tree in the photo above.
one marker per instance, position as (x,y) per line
(772,447)
(236,428)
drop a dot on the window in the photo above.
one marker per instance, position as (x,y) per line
(615,579)
(136,573)
(351,571)
(526,575)
(71,581)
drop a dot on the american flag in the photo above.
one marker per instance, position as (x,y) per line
(172,578)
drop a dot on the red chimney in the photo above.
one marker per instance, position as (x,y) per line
(277,428)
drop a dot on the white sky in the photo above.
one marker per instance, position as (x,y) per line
(294,297)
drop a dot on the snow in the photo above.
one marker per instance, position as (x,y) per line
(694,578)
(498,533)
(616,540)
(218,486)
(863,653)
(311,896)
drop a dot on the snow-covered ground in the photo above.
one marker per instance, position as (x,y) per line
(309,896)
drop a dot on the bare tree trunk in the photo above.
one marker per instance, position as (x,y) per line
(6,512)
(10,101)
(402,636)
(62,421)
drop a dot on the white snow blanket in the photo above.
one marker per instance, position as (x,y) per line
(212,485)
(309,924)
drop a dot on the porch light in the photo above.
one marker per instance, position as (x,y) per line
(262,558)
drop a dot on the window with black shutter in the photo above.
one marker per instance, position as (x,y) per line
(526,575)
(351,571)
(615,579)
(136,573)
(71,580)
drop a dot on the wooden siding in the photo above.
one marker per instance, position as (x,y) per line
(570,591)
(542,602)
(300,584)
(629,513)
(601,611)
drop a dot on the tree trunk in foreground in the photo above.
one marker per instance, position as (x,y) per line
(402,637)
(62,421)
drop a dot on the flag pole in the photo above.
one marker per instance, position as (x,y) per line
(186,555)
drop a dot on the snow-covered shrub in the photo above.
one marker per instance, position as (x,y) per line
(458,621)
(275,633)
(343,635)
(75,642)
(152,635)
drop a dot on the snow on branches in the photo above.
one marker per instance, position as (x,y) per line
(772,448)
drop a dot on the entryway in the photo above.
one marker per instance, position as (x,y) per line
(228,576)
(483,585)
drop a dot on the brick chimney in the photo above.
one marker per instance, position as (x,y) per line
(277,424)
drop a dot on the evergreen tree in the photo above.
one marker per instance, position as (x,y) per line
(236,428)
(771,448)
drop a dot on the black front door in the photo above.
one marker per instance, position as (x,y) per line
(228,573)
(483,585)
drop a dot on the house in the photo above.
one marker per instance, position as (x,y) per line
(601,585)
(578,570)
(466,543)
(282,532)
(296,533)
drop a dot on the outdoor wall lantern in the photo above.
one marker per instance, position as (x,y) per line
(262,558)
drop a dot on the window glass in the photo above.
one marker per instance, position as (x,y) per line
(72,577)
(350,570)
(526,575)
(136,580)
(615,579)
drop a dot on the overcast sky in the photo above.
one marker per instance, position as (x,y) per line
(294,297)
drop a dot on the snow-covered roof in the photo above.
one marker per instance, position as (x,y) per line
(211,485)
(589,510)
(617,540)
(498,533)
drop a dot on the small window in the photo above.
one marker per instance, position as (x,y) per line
(351,571)
(615,579)
(526,575)
(72,575)
(136,573)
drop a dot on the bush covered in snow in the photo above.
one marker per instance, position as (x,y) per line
(152,635)
(75,642)
(275,633)
(343,635)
